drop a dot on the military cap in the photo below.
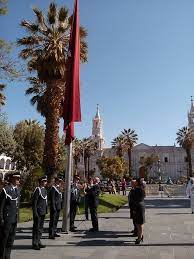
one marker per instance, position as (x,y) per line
(76,177)
(59,178)
(16,175)
(43,178)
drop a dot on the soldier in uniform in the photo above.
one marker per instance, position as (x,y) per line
(39,207)
(74,201)
(9,203)
(55,198)
(93,192)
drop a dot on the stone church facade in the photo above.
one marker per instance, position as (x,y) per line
(172,160)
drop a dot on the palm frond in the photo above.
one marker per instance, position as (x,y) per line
(52,13)
(31,27)
(63,14)
(40,18)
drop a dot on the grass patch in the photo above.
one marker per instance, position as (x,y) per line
(108,203)
(25,214)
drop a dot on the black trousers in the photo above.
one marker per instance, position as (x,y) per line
(94,217)
(7,237)
(73,211)
(54,218)
(38,224)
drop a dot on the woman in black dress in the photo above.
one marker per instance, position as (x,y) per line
(139,210)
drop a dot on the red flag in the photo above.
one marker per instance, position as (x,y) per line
(72,109)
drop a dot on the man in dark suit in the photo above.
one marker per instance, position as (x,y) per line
(39,207)
(9,203)
(93,192)
(55,198)
(74,201)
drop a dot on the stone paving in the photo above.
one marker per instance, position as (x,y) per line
(169,234)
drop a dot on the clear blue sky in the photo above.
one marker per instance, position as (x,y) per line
(140,68)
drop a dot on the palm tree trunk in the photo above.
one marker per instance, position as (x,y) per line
(129,160)
(189,162)
(55,93)
(85,167)
(88,168)
(76,164)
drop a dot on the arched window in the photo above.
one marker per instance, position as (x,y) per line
(2,163)
(7,165)
(12,165)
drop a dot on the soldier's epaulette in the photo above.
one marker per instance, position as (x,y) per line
(9,196)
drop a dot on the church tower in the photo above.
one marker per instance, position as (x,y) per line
(97,133)
(191,116)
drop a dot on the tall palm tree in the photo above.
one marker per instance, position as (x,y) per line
(118,144)
(185,140)
(130,139)
(45,50)
(89,148)
(2,96)
(77,152)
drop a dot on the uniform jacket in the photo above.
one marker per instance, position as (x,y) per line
(39,201)
(75,193)
(55,198)
(9,203)
(93,195)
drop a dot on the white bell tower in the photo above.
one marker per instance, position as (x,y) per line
(97,133)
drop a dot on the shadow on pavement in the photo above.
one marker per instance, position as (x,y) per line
(105,234)
(104,242)
(173,213)
(167,203)
(22,247)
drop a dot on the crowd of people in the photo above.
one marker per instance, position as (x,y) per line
(41,198)
(52,198)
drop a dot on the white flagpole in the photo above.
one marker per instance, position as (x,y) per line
(67,192)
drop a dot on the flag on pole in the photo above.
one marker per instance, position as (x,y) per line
(72,109)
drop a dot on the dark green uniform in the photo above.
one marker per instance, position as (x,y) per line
(55,198)
(39,206)
(9,203)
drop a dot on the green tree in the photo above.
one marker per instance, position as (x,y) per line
(29,136)
(8,69)
(3,7)
(7,142)
(111,167)
(62,156)
(2,96)
(45,50)
(148,162)
(89,147)
(130,139)
(77,152)
(185,140)
(119,145)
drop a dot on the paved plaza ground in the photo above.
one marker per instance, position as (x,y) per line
(169,233)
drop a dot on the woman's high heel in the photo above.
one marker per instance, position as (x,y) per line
(138,241)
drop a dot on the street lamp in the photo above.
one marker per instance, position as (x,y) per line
(159,171)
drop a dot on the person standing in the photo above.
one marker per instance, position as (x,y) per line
(9,204)
(139,209)
(190,193)
(86,207)
(123,186)
(39,207)
(93,191)
(131,200)
(74,201)
(55,198)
